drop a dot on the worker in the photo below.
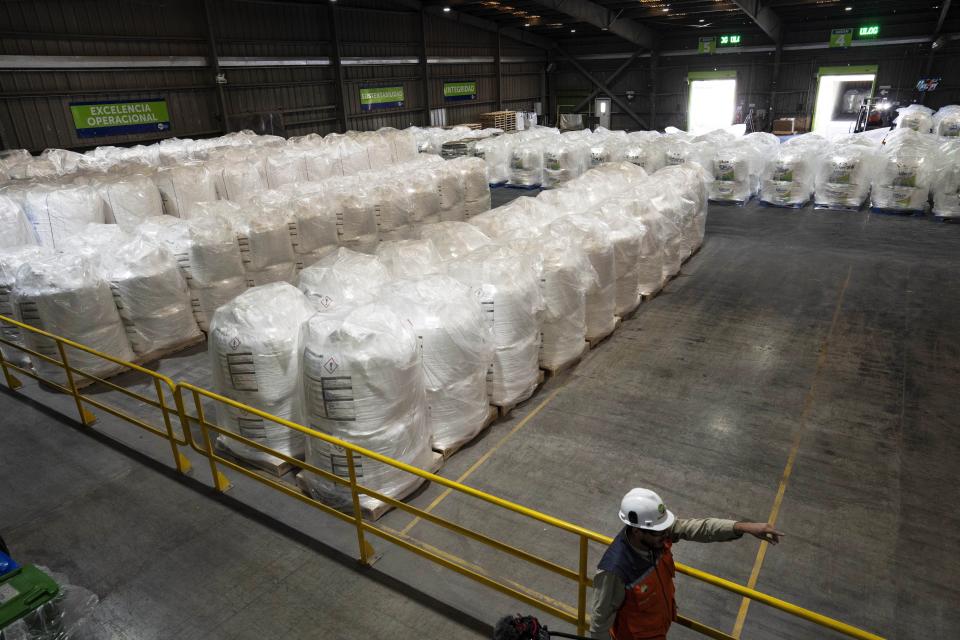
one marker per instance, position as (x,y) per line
(633,594)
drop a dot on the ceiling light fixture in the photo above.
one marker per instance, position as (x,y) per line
(848,8)
(446,9)
(573,30)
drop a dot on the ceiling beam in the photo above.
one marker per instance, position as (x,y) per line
(519,35)
(603,18)
(603,88)
(764,17)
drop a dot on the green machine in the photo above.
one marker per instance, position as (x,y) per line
(27,598)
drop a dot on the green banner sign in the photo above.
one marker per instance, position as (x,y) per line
(381,97)
(460,90)
(707,44)
(841,37)
(730,40)
(119,117)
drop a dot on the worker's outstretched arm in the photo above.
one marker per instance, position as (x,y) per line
(608,595)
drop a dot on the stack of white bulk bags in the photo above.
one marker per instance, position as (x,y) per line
(685,192)
(129,199)
(319,163)
(11,259)
(668,234)
(284,166)
(526,164)
(183,186)
(644,149)
(17,230)
(62,294)
(916,117)
(456,343)
(506,283)
(564,159)
(343,280)
(566,276)
(788,177)
(451,190)
(476,189)
(350,157)
(905,171)
(946,121)
(420,185)
(453,240)
(395,209)
(151,296)
(58,211)
(594,236)
(843,177)
(363,383)
(238,175)
(402,144)
(766,146)
(650,246)
(606,147)
(732,179)
(265,248)
(356,214)
(631,251)
(314,227)
(209,259)
(255,347)
(495,153)
(945,189)
(410,258)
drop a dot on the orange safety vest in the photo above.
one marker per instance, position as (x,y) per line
(650,606)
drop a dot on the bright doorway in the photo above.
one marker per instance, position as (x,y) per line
(713,97)
(840,92)
(602,109)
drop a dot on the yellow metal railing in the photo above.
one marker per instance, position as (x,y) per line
(189,402)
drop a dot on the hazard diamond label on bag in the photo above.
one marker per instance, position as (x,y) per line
(331,365)
(325,302)
(235,344)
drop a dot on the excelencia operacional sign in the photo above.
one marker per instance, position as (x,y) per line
(381,97)
(460,90)
(120,117)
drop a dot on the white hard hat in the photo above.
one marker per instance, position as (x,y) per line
(644,509)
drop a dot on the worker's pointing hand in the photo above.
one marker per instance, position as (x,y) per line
(760,530)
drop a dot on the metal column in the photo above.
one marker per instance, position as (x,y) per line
(499,72)
(424,69)
(654,61)
(214,66)
(774,83)
(335,53)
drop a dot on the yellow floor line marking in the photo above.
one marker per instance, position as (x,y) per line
(476,465)
(792,458)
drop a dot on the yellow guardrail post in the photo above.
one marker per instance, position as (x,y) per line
(13,383)
(180,460)
(582,582)
(220,481)
(86,417)
(366,551)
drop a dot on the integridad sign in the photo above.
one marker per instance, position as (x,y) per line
(120,117)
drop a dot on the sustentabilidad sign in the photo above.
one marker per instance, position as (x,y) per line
(382,97)
(460,90)
(120,117)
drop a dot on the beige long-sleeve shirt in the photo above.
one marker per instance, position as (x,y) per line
(609,591)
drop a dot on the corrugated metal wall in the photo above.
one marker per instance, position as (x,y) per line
(276,56)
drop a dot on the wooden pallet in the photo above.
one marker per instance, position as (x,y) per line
(272,466)
(506,120)
(166,352)
(505,409)
(550,372)
(371,513)
(626,315)
(492,415)
(596,340)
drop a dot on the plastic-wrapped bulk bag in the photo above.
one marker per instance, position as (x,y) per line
(916,117)
(453,240)
(284,167)
(457,347)
(645,152)
(315,220)
(945,189)
(594,236)
(495,153)
(563,161)
(395,210)
(667,198)
(57,211)
(665,230)
(451,190)
(566,276)
(904,173)
(649,251)
(521,213)
(788,178)
(11,259)
(843,178)
(238,177)
(129,199)
(632,259)
(526,164)
(62,294)
(17,230)
(678,150)
(181,187)
(423,193)
(379,152)
(255,347)
(343,280)
(608,148)
(351,157)
(946,121)
(732,180)
(265,249)
(357,220)
(506,283)
(410,258)
(476,190)
(151,296)
(404,145)
(363,382)
(320,164)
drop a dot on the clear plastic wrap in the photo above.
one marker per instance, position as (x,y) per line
(564,159)
(843,177)
(283,166)
(451,190)
(650,246)
(916,117)
(182,186)
(363,382)
(788,178)
(11,259)
(356,216)
(905,170)
(255,347)
(594,237)
(453,240)
(945,189)
(506,283)
(265,248)
(668,234)
(473,178)
(17,230)
(732,176)
(58,211)
(645,150)
(410,258)
(685,201)
(495,153)
(634,256)
(343,280)
(65,617)
(423,191)
(316,224)
(607,147)
(151,296)
(395,210)
(526,164)
(62,294)
(457,347)
(128,199)
(946,121)
(238,176)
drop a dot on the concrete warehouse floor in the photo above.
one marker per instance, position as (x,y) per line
(804,366)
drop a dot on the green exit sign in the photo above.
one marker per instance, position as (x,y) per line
(731,40)
(869,31)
